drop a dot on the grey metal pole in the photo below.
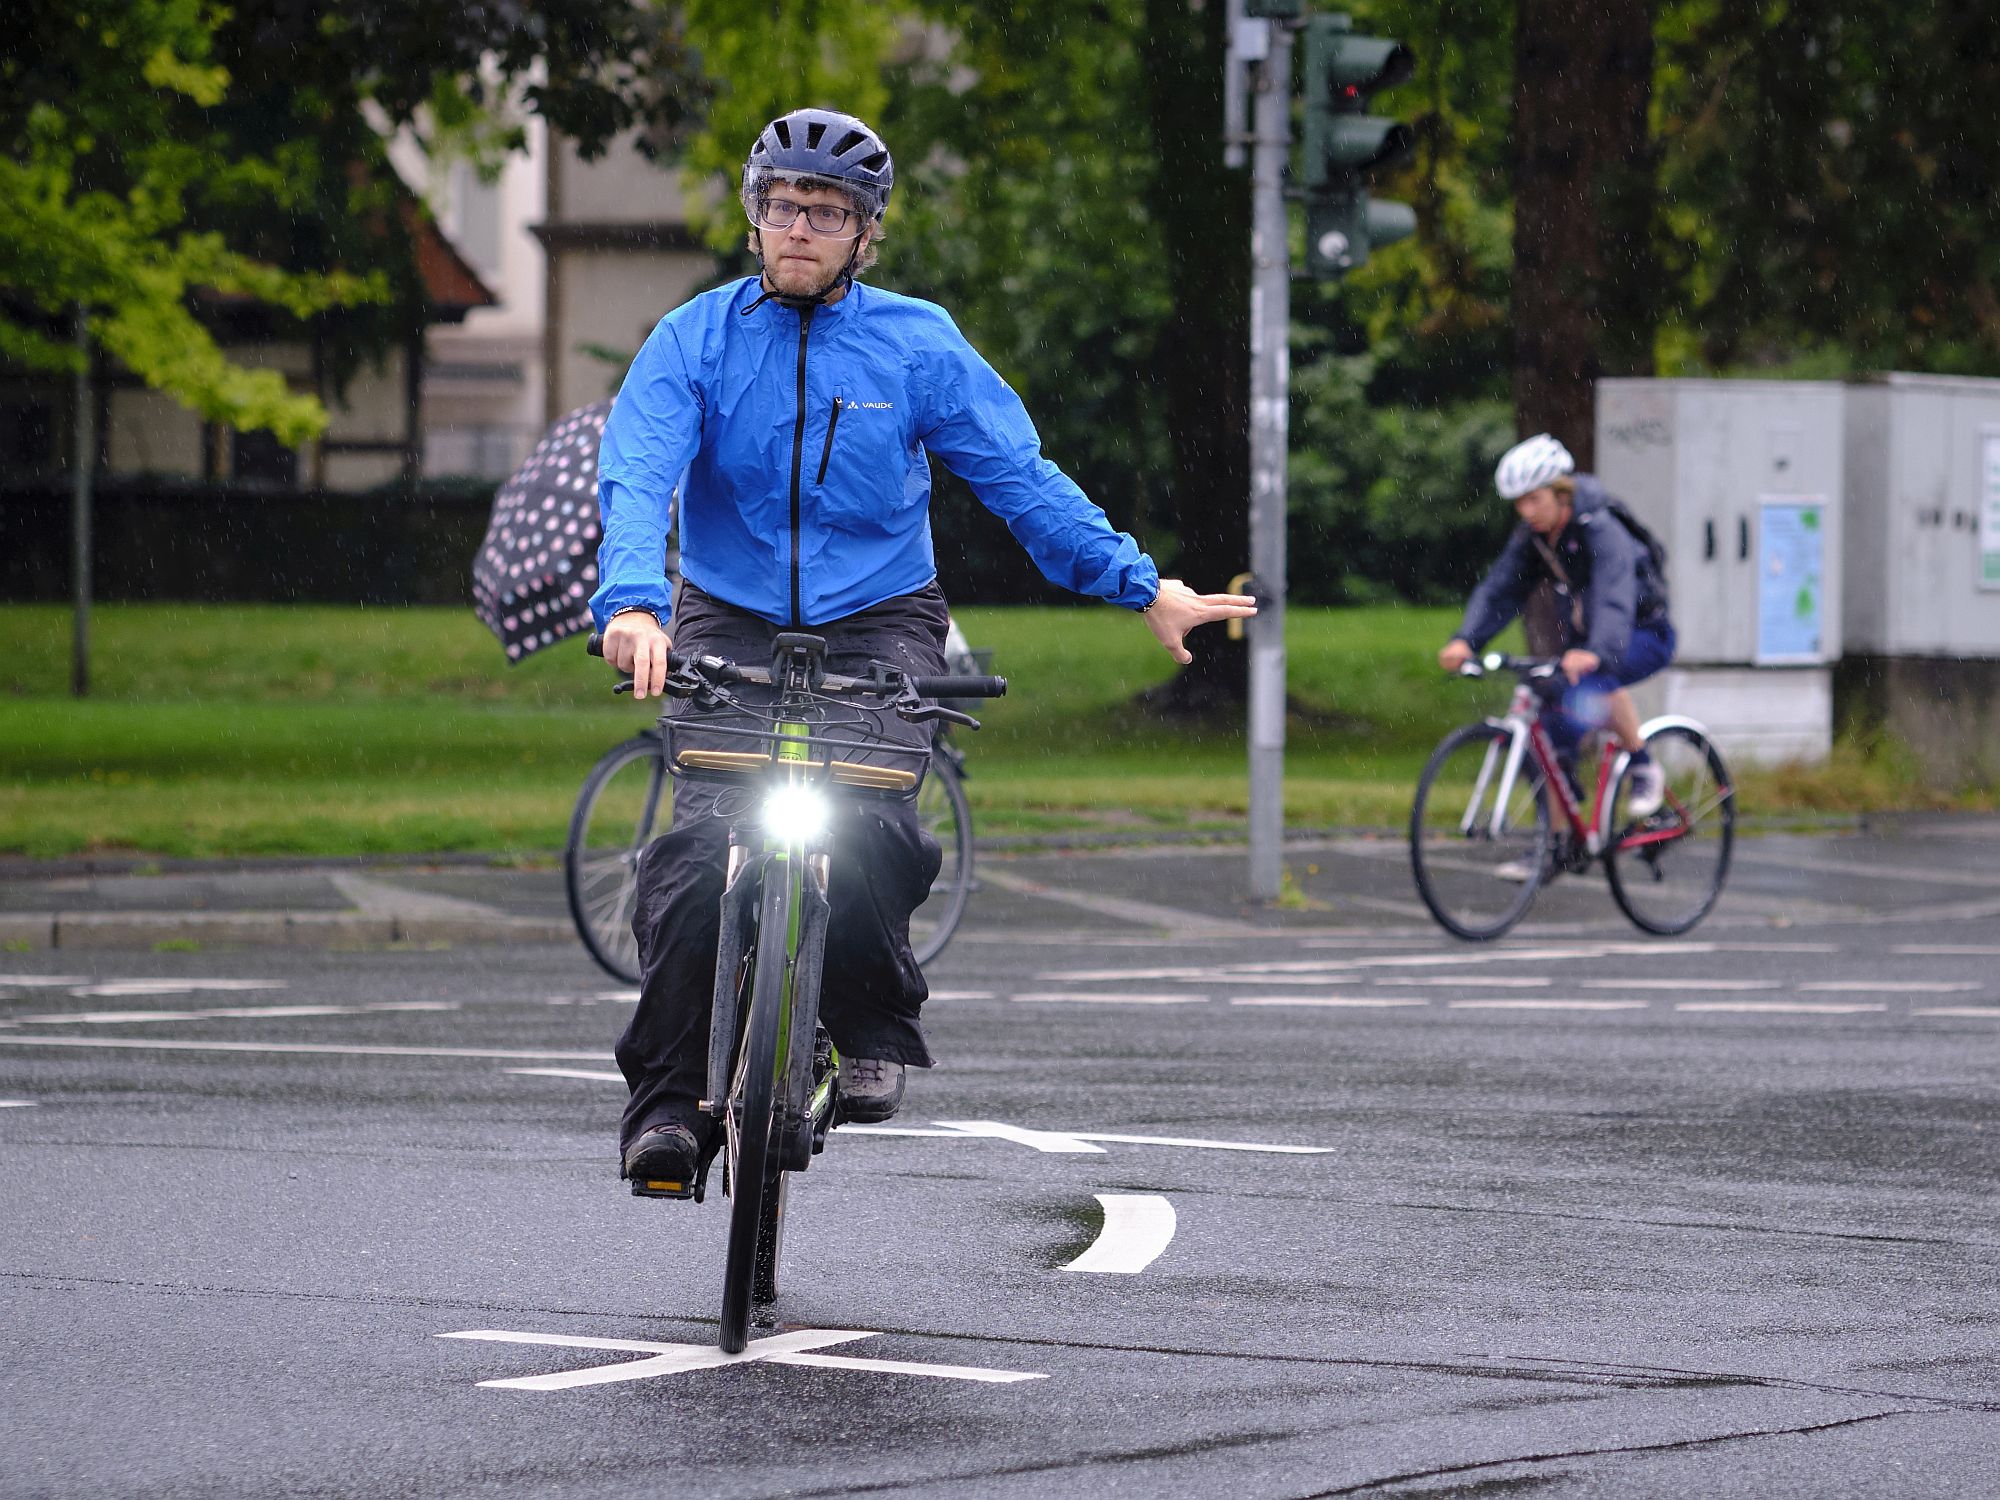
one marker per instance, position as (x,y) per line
(83,465)
(1270,376)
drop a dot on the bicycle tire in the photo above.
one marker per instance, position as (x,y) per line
(617,814)
(1456,856)
(751,1117)
(946,815)
(1637,859)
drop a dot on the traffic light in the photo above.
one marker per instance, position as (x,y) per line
(1344,143)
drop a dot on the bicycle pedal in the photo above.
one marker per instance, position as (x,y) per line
(663,1187)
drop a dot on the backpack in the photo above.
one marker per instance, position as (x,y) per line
(1655,548)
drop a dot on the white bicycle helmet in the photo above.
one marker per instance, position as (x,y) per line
(1530,465)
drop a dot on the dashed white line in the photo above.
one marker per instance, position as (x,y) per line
(961,994)
(17,1104)
(1969,1012)
(1331,1002)
(123,988)
(1947,950)
(312,1049)
(1052,998)
(1546,1004)
(1681,984)
(1138,1227)
(1890,987)
(233,1013)
(41,981)
(567,1073)
(1777,1007)
(1487,982)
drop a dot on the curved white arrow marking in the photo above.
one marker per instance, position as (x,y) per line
(1138,1227)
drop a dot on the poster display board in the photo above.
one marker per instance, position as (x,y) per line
(1791,579)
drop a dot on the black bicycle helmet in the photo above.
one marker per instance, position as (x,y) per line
(826,145)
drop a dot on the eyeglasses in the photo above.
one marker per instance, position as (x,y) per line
(821,218)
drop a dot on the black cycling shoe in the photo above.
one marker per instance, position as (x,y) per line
(665,1162)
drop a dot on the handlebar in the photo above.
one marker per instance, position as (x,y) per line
(886,683)
(1521,666)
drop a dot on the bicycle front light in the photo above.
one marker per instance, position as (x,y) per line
(795,813)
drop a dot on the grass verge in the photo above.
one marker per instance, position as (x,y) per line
(242,730)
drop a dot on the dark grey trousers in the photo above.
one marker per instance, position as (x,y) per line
(883,866)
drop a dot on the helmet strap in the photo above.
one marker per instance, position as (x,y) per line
(842,279)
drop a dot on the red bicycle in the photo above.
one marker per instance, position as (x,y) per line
(1496,818)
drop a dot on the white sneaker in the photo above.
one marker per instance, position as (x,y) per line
(1646,790)
(1520,871)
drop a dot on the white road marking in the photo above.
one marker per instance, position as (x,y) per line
(1056,1143)
(315,1049)
(253,1012)
(961,994)
(1976,1012)
(17,1103)
(1765,948)
(1344,1002)
(674,1359)
(1473,981)
(1890,987)
(1544,1004)
(568,1073)
(1930,950)
(121,988)
(1141,913)
(40,981)
(1096,976)
(1681,984)
(1051,998)
(1138,1227)
(1073,1142)
(1777,1007)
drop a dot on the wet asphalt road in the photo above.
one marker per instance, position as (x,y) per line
(1582,1215)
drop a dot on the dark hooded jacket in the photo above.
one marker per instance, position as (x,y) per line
(1609,570)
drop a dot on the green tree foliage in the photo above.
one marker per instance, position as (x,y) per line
(1829,183)
(99,190)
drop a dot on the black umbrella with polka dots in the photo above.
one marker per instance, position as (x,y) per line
(537,568)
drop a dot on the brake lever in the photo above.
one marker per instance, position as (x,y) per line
(925,713)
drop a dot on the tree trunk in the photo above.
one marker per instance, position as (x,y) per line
(1584,277)
(1202,212)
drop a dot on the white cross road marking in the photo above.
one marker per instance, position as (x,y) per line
(1071,1142)
(568,1073)
(1976,1012)
(1890,987)
(1051,998)
(1548,1004)
(1138,1227)
(1054,1142)
(1777,1007)
(123,988)
(674,1359)
(1354,1002)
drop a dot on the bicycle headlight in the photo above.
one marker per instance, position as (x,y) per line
(795,813)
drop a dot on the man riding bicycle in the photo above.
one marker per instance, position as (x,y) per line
(1613,602)
(805,406)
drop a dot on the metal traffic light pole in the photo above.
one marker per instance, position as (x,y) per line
(1269,58)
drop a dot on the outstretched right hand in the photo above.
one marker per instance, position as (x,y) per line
(1456,653)
(635,643)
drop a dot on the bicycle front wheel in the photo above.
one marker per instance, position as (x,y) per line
(624,804)
(944,813)
(1479,833)
(756,1200)
(1667,869)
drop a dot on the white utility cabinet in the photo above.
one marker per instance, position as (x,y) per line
(1922,573)
(1744,482)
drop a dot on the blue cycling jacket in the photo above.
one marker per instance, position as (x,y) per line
(806,441)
